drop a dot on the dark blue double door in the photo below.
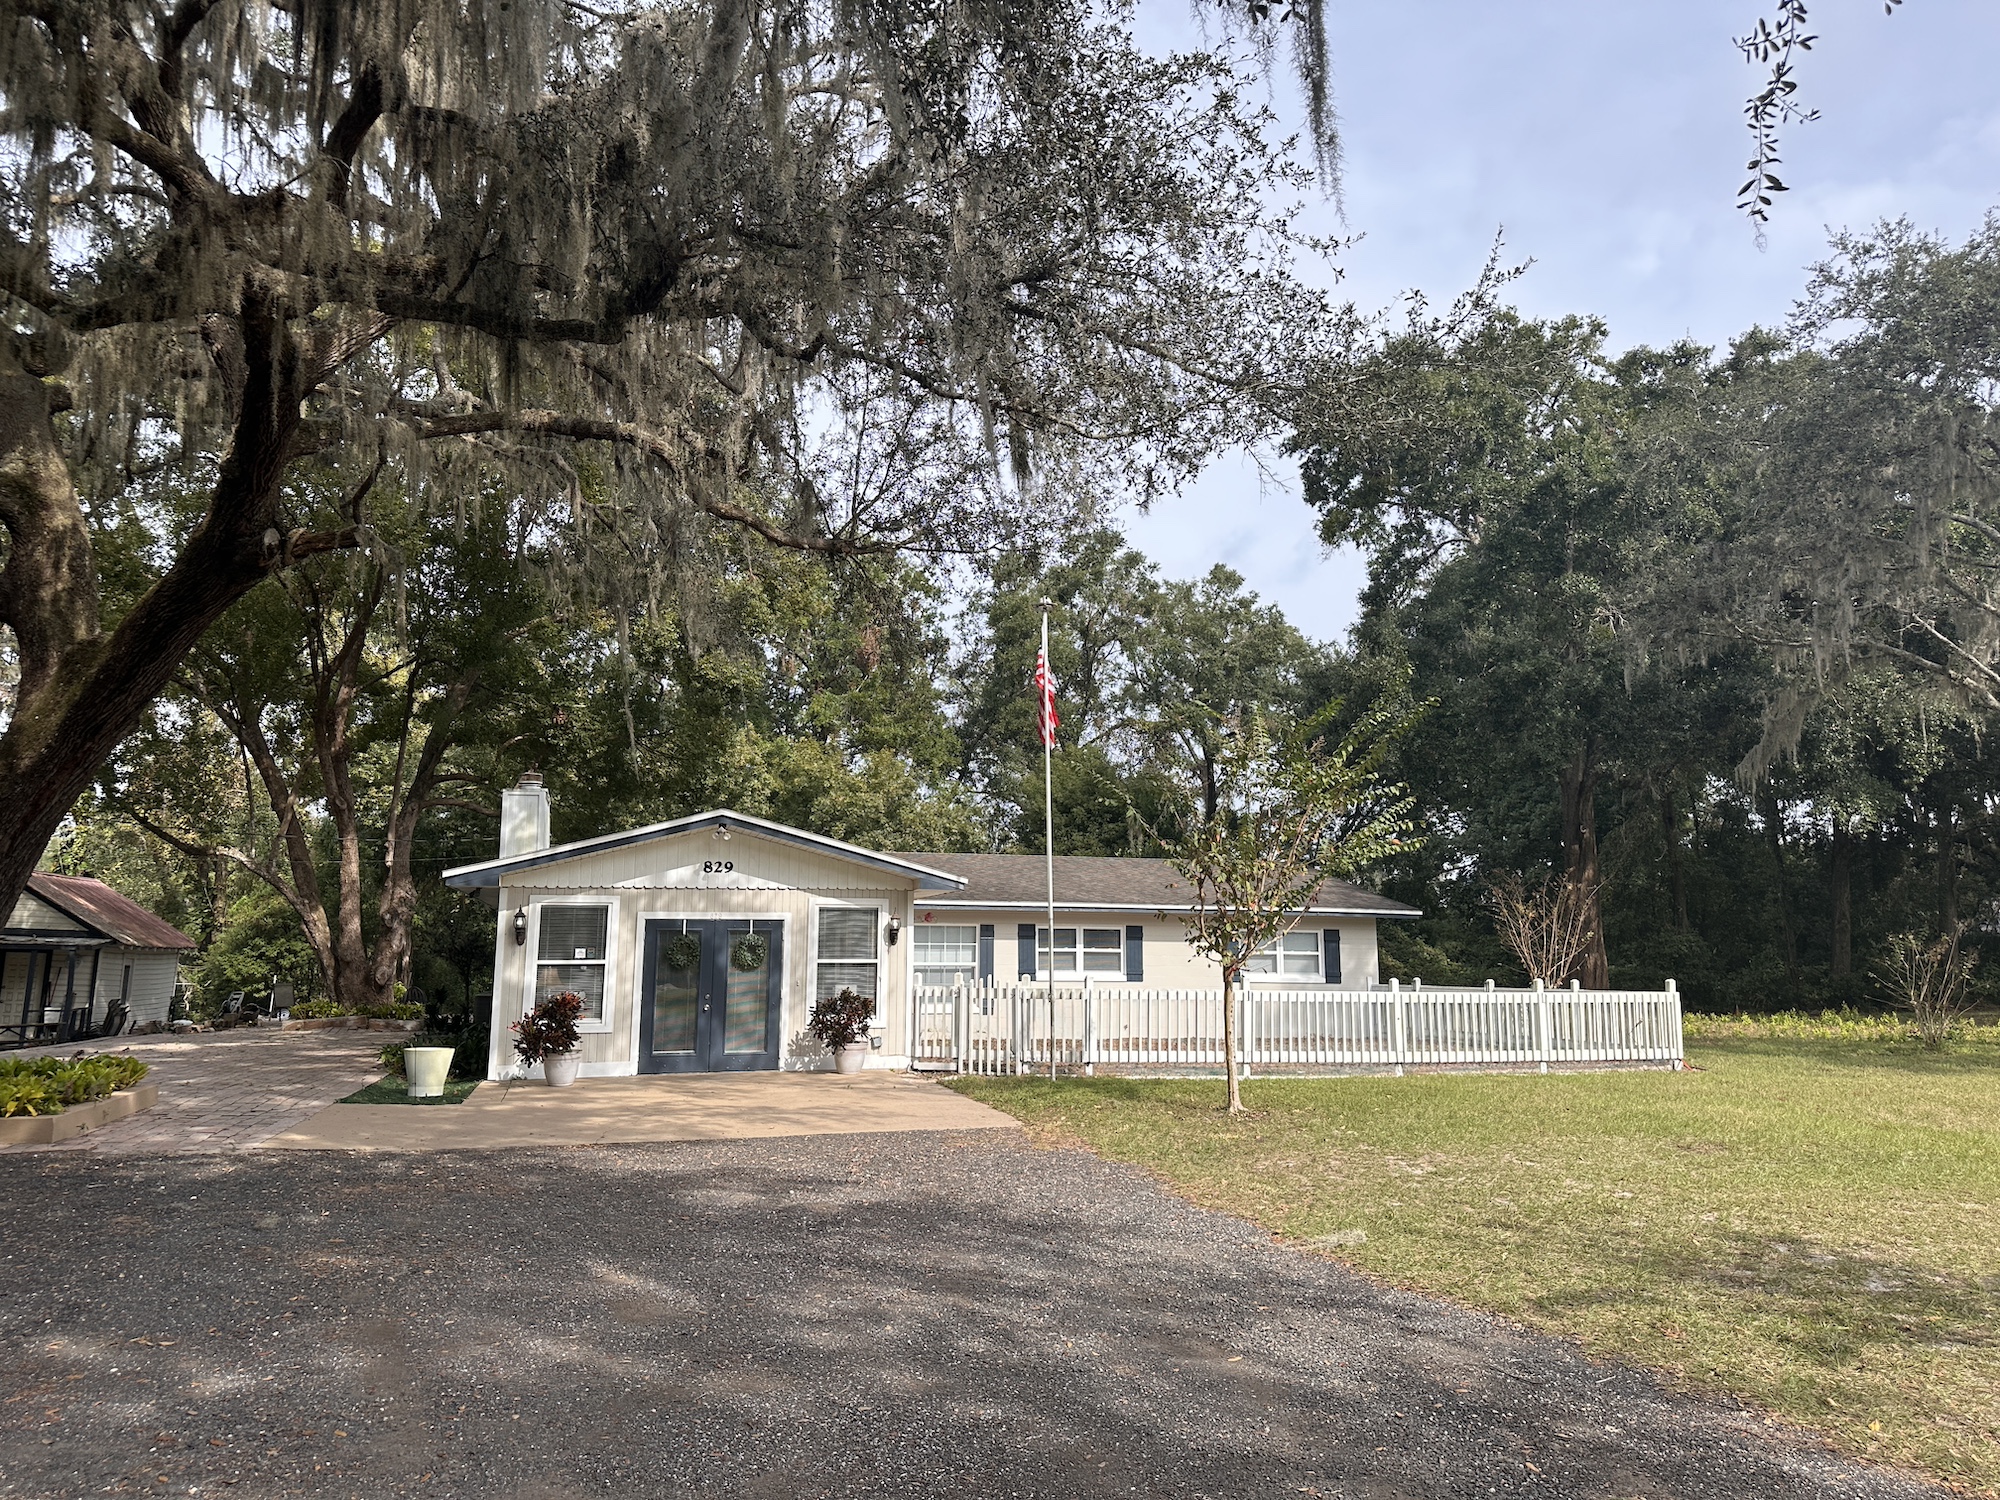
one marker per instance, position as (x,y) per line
(710,998)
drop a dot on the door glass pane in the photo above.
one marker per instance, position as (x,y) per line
(674,990)
(746,1005)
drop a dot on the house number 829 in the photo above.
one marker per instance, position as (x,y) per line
(718,866)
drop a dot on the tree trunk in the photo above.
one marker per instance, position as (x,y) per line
(81,692)
(1840,873)
(1947,870)
(1774,833)
(1670,829)
(1229,1068)
(1592,968)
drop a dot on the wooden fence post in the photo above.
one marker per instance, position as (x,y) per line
(1544,1025)
(1089,1028)
(1400,1023)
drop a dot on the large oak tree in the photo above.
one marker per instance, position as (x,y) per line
(852,278)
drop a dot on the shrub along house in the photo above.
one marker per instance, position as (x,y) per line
(699,944)
(74,953)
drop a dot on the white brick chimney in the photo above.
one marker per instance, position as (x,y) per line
(524,816)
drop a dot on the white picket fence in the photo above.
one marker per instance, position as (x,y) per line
(998,1029)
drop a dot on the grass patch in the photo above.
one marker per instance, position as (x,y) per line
(393,1091)
(1812,1224)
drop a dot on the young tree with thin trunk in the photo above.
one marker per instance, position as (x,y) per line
(1294,811)
(1548,926)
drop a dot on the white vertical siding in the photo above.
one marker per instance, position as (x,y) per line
(615,1048)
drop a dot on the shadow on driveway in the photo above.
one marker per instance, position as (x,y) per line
(860,1315)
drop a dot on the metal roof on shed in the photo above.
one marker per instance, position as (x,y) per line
(99,907)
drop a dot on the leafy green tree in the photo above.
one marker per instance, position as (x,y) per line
(852,279)
(1212,654)
(347,686)
(1292,811)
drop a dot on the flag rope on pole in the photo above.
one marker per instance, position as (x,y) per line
(1046,720)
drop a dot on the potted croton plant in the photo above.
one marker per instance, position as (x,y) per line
(547,1035)
(840,1023)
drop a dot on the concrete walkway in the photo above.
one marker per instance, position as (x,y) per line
(627,1111)
(225,1090)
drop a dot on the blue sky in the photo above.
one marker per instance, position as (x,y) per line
(1605,138)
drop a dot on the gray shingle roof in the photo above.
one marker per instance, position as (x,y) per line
(1094,882)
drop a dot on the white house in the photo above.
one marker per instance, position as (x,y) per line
(700,943)
(73,952)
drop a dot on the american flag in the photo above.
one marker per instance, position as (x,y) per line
(1045,688)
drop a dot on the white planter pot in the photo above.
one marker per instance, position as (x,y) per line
(849,1059)
(561,1071)
(425,1070)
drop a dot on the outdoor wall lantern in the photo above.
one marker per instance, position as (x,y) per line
(895,930)
(520,927)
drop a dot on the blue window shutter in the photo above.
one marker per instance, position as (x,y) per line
(1135,952)
(985,952)
(1025,933)
(1330,956)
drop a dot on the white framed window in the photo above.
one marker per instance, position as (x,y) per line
(572,947)
(846,955)
(1293,956)
(1098,951)
(945,954)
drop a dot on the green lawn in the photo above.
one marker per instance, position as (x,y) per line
(1811,1224)
(392,1090)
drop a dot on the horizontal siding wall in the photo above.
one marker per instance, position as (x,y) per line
(33,914)
(1170,962)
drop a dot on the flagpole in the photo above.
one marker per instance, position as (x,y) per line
(1049,848)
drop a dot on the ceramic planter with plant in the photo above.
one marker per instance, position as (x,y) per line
(547,1035)
(840,1023)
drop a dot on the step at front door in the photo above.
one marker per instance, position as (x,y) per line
(710,996)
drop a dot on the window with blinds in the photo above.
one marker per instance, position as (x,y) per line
(847,957)
(569,955)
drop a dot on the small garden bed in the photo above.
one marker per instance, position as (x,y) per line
(49,1085)
(48,1099)
(395,1091)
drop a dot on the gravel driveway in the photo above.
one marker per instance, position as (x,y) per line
(860,1315)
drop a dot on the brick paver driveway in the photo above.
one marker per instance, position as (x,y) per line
(226,1090)
(868,1315)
